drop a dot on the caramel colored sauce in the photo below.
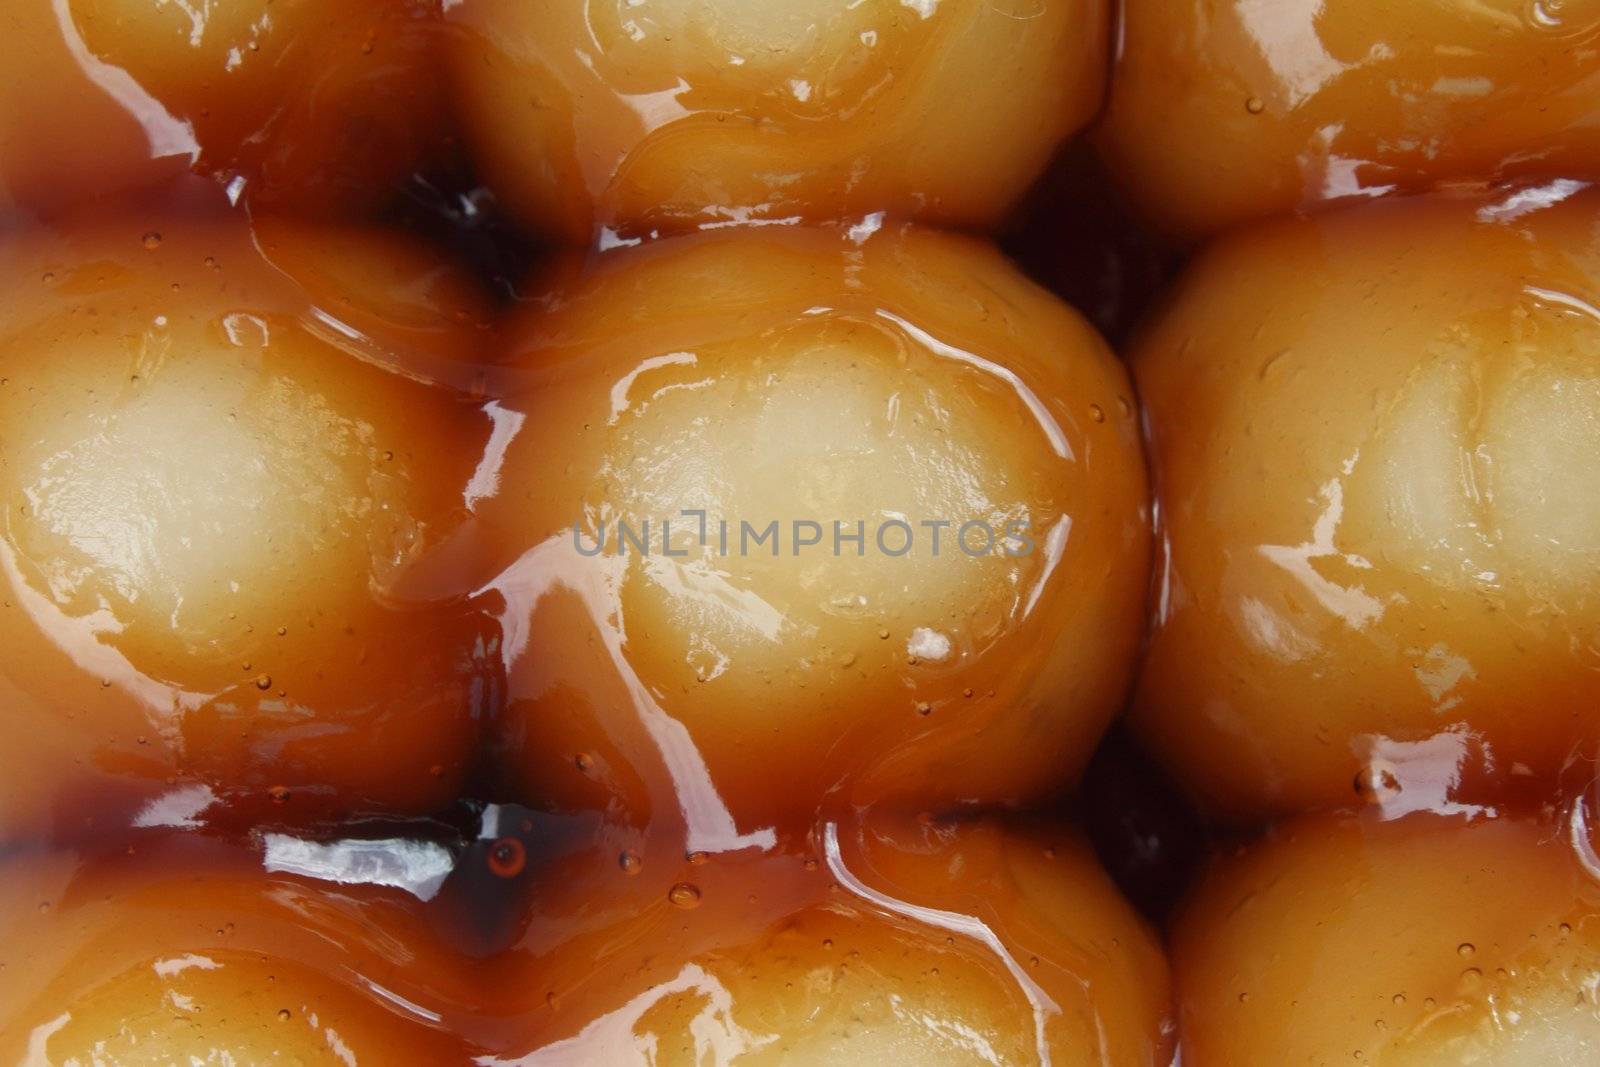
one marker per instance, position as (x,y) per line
(1425,941)
(874,386)
(87,143)
(558,938)
(670,114)
(1234,111)
(319,106)
(945,942)
(287,789)
(529,535)
(1378,536)
(180,945)
(216,479)
(312,767)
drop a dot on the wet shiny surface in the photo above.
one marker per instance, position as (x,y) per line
(274,588)
(382,686)
(321,106)
(556,938)
(1239,110)
(99,136)
(1378,534)
(895,938)
(184,949)
(1427,941)
(215,482)
(827,377)
(668,114)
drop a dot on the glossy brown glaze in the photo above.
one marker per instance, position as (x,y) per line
(1378,542)
(669,114)
(826,377)
(421,648)
(1427,941)
(215,482)
(180,949)
(86,143)
(900,939)
(1225,111)
(317,105)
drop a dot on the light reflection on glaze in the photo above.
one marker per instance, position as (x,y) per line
(486,478)
(1356,607)
(1375,544)
(965,925)
(168,136)
(556,564)
(1421,941)
(1222,113)
(669,115)
(80,638)
(833,377)
(956,942)
(418,867)
(155,629)
(178,808)
(615,1037)
(1036,407)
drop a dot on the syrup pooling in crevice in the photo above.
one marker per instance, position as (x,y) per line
(1378,543)
(1076,234)
(1146,834)
(905,389)
(593,116)
(447,206)
(216,479)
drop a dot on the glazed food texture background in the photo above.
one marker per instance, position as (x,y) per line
(703,531)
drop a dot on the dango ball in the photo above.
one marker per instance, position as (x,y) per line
(1223,113)
(904,939)
(187,951)
(896,523)
(1427,941)
(320,106)
(214,488)
(1378,534)
(669,114)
